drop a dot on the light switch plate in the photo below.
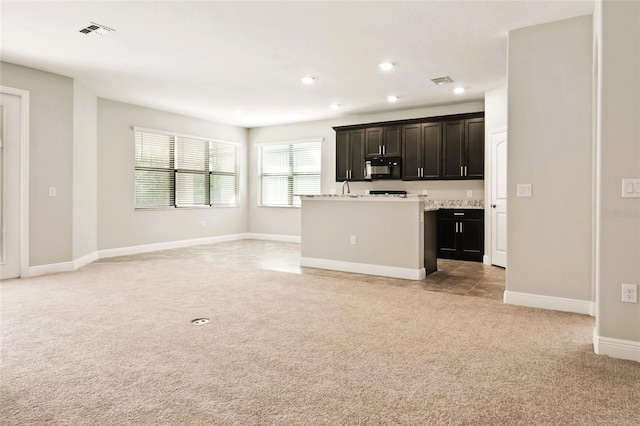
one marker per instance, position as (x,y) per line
(523,190)
(630,188)
(52,191)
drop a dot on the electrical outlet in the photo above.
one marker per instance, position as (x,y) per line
(469,193)
(353,239)
(629,293)
(203,224)
(425,192)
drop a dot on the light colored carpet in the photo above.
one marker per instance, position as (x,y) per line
(113,344)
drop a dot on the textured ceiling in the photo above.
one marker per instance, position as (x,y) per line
(242,62)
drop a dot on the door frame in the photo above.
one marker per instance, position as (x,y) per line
(24,175)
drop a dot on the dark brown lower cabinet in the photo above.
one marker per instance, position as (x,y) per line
(461,234)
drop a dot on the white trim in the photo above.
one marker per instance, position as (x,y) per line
(24,176)
(364,268)
(616,348)
(577,306)
(85,260)
(291,142)
(274,237)
(51,268)
(486,260)
(124,251)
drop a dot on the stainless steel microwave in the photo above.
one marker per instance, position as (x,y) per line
(383,168)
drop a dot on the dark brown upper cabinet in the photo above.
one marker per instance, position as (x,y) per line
(383,142)
(421,144)
(349,155)
(463,149)
(443,147)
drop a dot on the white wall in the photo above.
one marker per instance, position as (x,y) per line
(50,161)
(286,221)
(550,146)
(617,27)
(85,175)
(119,224)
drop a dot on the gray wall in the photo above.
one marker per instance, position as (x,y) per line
(618,231)
(550,146)
(51,161)
(119,224)
(286,221)
(397,241)
(85,174)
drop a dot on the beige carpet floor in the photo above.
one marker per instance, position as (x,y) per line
(113,344)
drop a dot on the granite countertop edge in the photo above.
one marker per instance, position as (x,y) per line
(430,205)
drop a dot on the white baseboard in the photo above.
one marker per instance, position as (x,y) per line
(146,248)
(364,268)
(274,237)
(616,348)
(85,260)
(486,260)
(54,268)
(577,306)
(51,268)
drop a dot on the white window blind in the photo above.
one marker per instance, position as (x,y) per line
(224,174)
(155,177)
(287,171)
(178,171)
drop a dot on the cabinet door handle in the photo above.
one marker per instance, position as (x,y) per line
(456,227)
(384,150)
(379,150)
(461,227)
(461,171)
(465,171)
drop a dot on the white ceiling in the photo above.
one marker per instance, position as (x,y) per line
(241,62)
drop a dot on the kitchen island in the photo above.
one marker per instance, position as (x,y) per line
(387,235)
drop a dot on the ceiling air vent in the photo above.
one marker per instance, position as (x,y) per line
(94,29)
(442,80)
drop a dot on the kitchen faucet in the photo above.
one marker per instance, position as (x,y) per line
(348,189)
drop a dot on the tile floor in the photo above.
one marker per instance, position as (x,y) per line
(453,276)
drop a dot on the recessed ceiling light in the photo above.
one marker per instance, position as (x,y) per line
(385,66)
(308,80)
(441,81)
(334,106)
(458,90)
(392,98)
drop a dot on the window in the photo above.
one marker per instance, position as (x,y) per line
(288,170)
(184,171)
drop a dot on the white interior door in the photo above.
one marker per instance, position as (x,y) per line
(10,106)
(499,198)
